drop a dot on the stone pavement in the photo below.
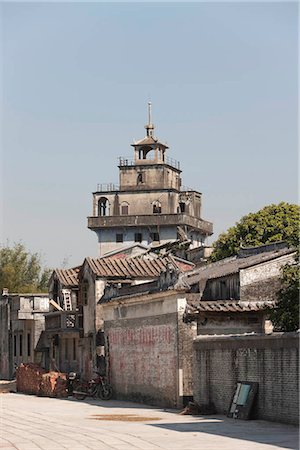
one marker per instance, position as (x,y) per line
(29,423)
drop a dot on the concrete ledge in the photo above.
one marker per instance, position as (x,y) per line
(222,342)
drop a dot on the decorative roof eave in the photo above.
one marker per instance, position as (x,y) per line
(148,140)
(228,306)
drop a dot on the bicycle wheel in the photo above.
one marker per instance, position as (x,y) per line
(80,393)
(105,392)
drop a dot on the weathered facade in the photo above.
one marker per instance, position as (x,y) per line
(231,295)
(74,338)
(149,344)
(22,319)
(151,327)
(270,360)
(60,341)
(149,206)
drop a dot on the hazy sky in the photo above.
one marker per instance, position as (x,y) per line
(76,78)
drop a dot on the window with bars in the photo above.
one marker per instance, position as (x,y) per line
(138,237)
(21,345)
(154,237)
(74,349)
(28,344)
(85,288)
(119,237)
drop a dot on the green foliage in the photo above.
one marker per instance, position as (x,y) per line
(21,271)
(270,224)
(285,316)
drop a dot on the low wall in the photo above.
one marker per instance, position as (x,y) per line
(271,360)
(32,379)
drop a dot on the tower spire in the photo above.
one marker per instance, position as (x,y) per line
(149,127)
(149,113)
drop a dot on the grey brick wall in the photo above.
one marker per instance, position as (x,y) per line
(186,334)
(270,360)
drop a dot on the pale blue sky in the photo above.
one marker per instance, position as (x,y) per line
(222,78)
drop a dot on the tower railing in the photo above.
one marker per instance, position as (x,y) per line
(187,189)
(111,187)
(107,187)
(125,162)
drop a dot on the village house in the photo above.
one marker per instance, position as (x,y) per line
(22,319)
(231,296)
(73,338)
(62,323)
(151,328)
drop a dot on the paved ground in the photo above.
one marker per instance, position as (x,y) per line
(29,423)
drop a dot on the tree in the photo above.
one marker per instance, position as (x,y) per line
(21,271)
(270,224)
(285,316)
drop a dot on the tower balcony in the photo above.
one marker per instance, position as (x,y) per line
(157,220)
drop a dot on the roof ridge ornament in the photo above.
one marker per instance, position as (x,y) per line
(149,127)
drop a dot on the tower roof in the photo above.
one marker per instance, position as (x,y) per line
(149,139)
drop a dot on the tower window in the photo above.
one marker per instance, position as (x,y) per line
(144,152)
(140,178)
(157,208)
(103,207)
(124,209)
(182,207)
(154,237)
(119,237)
(138,237)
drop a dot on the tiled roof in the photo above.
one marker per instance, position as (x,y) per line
(232,265)
(68,277)
(229,306)
(234,306)
(138,267)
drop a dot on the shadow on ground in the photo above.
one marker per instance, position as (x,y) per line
(267,433)
(253,431)
(117,403)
